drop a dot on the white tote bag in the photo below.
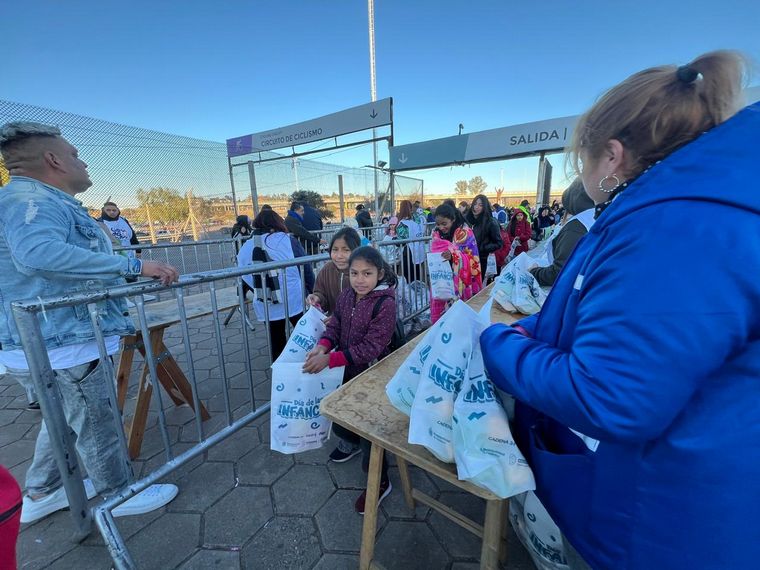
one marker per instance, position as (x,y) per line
(538,532)
(491,265)
(516,290)
(305,336)
(403,386)
(485,451)
(296,424)
(441,277)
(440,380)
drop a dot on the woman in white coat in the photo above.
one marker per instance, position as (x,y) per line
(277,290)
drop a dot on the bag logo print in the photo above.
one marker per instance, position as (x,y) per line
(446,338)
(476,415)
(280,387)
(444,378)
(481,391)
(433,400)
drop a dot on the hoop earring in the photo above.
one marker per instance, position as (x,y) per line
(601,184)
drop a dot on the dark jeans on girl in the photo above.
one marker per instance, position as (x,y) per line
(279,335)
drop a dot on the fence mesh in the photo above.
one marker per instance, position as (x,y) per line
(175,187)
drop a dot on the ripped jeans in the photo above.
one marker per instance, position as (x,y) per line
(87,408)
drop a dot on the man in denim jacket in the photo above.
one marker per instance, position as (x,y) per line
(50,246)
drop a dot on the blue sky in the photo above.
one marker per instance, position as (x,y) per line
(215,70)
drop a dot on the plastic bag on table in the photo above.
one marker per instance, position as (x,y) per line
(491,265)
(441,378)
(305,335)
(516,290)
(403,386)
(296,424)
(538,532)
(441,277)
(485,451)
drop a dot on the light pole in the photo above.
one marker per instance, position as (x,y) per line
(373,87)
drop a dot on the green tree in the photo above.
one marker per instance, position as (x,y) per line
(461,188)
(313,199)
(166,204)
(477,185)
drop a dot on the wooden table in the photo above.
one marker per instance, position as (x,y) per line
(161,316)
(363,407)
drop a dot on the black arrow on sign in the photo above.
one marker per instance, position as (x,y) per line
(373,114)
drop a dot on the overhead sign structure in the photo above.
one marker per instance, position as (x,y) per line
(368,116)
(494,144)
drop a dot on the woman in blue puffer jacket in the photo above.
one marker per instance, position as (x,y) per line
(638,384)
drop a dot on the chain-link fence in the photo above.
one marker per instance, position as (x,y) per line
(172,187)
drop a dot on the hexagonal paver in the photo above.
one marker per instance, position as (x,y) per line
(302,490)
(234,519)
(8,417)
(235,446)
(348,475)
(44,541)
(90,557)
(338,562)
(340,526)
(166,542)
(203,487)
(410,545)
(12,433)
(315,456)
(206,559)
(285,543)
(264,428)
(263,466)
(238,397)
(394,505)
(459,542)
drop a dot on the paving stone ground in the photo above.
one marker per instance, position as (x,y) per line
(240,504)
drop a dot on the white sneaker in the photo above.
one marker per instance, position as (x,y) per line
(32,510)
(152,498)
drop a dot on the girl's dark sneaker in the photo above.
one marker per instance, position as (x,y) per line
(385,490)
(344,452)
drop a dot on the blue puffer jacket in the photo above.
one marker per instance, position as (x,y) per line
(650,343)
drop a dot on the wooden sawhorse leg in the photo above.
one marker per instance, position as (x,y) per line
(369,528)
(493,528)
(172,379)
(129,345)
(406,482)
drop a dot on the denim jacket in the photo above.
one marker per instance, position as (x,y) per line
(50,246)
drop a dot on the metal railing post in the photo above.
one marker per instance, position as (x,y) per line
(62,442)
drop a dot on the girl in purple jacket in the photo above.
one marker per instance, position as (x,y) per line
(359,331)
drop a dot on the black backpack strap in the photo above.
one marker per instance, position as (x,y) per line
(378,304)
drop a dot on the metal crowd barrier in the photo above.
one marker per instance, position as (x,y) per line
(27,315)
(190,256)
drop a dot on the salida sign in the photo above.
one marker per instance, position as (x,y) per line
(551,135)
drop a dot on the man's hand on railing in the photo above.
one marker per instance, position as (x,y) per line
(161,271)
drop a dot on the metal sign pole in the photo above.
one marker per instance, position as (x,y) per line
(540,184)
(254,192)
(232,186)
(373,91)
(340,197)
